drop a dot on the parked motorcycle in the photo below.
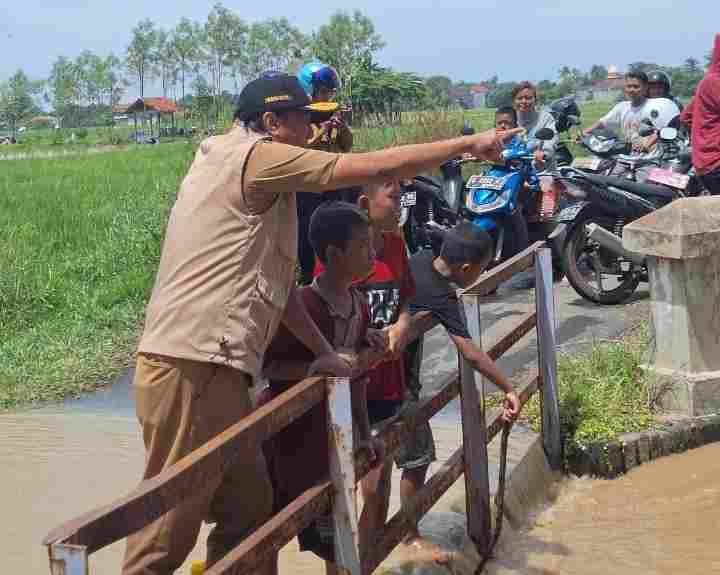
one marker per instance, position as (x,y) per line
(493,199)
(593,258)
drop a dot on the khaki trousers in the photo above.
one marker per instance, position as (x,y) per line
(181,405)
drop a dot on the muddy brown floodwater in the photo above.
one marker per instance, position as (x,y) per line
(658,519)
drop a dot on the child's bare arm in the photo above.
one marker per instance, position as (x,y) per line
(399,332)
(481,362)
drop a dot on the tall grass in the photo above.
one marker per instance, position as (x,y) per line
(79,245)
(602,393)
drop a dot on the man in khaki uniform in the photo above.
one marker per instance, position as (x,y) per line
(225,281)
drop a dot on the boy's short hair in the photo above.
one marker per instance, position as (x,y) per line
(466,244)
(509,110)
(333,224)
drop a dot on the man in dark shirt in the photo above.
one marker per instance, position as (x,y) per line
(464,255)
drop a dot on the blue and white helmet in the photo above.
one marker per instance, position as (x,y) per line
(314,75)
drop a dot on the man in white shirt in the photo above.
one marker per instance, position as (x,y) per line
(628,116)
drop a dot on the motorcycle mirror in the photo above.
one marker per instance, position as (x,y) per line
(545,134)
(646,131)
(668,134)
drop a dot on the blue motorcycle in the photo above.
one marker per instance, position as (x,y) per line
(502,200)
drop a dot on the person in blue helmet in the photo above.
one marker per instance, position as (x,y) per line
(329,133)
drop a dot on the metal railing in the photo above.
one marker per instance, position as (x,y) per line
(71,544)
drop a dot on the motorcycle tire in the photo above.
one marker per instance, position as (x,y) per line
(572,252)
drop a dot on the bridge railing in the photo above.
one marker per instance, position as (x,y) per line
(71,544)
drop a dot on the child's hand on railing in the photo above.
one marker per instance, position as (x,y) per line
(511,407)
(378,340)
(398,335)
(374,448)
(334,364)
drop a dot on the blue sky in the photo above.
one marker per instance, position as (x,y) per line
(466,40)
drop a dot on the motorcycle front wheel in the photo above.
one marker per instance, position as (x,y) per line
(595,273)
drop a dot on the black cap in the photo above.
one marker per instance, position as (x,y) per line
(269,93)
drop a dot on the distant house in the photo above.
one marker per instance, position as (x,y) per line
(154,111)
(43,122)
(479,94)
(608,90)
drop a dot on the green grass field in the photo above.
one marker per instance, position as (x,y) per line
(79,244)
(80,239)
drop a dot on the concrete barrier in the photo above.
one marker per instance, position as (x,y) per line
(682,242)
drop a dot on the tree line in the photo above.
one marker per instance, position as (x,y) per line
(202,64)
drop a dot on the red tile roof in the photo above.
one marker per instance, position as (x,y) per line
(162,105)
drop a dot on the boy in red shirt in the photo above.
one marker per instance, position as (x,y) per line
(388,289)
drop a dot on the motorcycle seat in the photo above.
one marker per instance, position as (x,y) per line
(632,187)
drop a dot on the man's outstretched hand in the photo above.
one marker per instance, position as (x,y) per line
(488,145)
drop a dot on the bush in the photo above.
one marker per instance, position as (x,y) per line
(602,394)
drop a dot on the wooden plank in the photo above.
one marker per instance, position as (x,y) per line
(342,475)
(518,332)
(276,533)
(152,498)
(545,308)
(477,486)
(155,496)
(491,279)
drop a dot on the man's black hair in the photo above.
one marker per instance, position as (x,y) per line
(333,224)
(256,123)
(510,111)
(466,244)
(637,74)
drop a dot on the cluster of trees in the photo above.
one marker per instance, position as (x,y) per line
(201,65)
(198,64)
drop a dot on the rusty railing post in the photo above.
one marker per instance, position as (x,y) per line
(545,307)
(342,475)
(477,485)
(68,559)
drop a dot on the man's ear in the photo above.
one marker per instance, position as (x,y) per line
(363,202)
(270,122)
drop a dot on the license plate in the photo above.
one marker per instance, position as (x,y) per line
(587,163)
(668,178)
(570,213)
(486,182)
(408,199)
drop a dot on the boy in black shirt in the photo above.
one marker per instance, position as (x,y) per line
(465,253)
